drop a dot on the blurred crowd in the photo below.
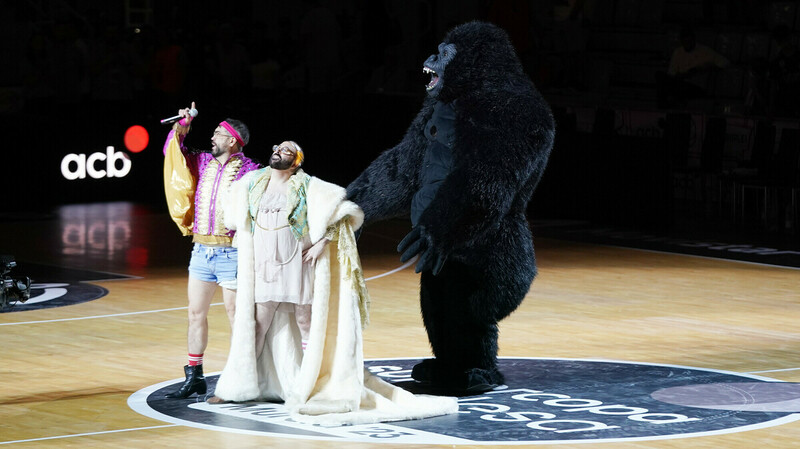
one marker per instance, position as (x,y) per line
(231,59)
(235,53)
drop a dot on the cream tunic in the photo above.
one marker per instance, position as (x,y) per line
(281,274)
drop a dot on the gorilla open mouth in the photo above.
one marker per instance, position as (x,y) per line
(434,78)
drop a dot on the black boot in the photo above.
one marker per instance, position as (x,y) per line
(195,383)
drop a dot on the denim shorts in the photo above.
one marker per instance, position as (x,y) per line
(214,264)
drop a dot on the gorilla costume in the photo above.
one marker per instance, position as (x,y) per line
(465,172)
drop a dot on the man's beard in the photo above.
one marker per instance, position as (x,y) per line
(216,151)
(280,164)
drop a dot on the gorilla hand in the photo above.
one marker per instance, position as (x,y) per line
(419,242)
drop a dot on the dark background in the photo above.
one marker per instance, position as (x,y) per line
(344,79)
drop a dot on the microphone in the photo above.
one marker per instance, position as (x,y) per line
(167,121)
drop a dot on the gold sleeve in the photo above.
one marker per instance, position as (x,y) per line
(179,186)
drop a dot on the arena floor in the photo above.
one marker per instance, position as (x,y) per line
(615,345)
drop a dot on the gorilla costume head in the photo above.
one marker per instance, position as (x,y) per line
(473,57)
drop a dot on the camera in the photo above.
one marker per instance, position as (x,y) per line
(12,289)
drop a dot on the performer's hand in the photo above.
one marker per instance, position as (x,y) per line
(312,253)
(419,242)
(179,126)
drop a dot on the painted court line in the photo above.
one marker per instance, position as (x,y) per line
(88,434)
(773,370)
(100,316)
(400,268)
(388,273)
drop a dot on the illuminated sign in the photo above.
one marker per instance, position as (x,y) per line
(117,164)
(136,138)
(77,166)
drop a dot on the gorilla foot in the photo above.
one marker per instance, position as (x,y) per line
(424,371)
(477,380)
(455,382)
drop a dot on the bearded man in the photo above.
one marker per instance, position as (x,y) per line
(301,303)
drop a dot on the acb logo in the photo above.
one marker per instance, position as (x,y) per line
(117,164)
(77,166)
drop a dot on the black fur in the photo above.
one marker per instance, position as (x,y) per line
(504,134)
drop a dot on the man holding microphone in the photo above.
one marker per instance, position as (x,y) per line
(195,185)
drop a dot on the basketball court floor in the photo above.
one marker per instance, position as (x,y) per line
(625,340)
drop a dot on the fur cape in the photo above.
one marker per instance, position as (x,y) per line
(327,384)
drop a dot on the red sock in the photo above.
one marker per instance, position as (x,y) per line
(195,359)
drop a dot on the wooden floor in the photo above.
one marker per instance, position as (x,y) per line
(67,372)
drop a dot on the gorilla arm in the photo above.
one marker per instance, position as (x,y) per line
(385,188)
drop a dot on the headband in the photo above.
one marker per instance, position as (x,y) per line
(300,157)
(233,132)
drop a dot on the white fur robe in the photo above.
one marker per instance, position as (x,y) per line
(327,384)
